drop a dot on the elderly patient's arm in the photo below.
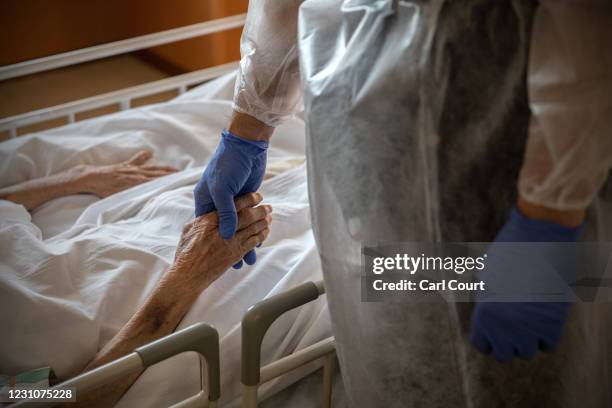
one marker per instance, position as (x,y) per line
(101,181)
(202,256)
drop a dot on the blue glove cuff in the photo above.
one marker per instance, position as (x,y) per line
(252,146)
(520,228)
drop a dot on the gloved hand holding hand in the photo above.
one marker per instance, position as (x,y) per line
(519,329)
(236,168)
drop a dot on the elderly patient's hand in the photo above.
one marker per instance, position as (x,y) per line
(99,180)
(202,255)
(104,181)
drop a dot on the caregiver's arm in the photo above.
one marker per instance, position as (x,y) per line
(248,127)
(568,158)
(267,92)
(566,218)
(268,84)
(201,257)
(101,181)
(568,155)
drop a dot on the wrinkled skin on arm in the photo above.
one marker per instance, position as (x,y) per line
(104,181)
(201,244)
(202,256)
(101,181)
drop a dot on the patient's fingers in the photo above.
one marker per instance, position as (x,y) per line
(168,169)
(155,173)
(254,229)
(137,171)
(247,200)
(140,158)
(255,240)
(248,216)
(139,178)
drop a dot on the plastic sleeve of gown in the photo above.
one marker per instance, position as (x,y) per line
(569,149)
(268,83)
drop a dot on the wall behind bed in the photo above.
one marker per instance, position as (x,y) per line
(197,53)
(36,28)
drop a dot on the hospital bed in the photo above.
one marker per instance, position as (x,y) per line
(202,337)
(204,340)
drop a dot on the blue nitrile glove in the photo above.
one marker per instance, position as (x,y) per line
(512,329)
(236,168)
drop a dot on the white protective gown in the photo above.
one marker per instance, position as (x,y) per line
(424,119)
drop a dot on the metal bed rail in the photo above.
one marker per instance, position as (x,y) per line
(125,96)
(204,340)
(201,338)
(122,97)
(256,323)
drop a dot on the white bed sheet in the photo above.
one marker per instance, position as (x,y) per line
(75,271)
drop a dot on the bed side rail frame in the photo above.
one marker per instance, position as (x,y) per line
(256,323)
(122,97)
(125,96)
(201,338)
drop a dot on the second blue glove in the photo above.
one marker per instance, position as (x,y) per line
(236,168)
(519,329)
